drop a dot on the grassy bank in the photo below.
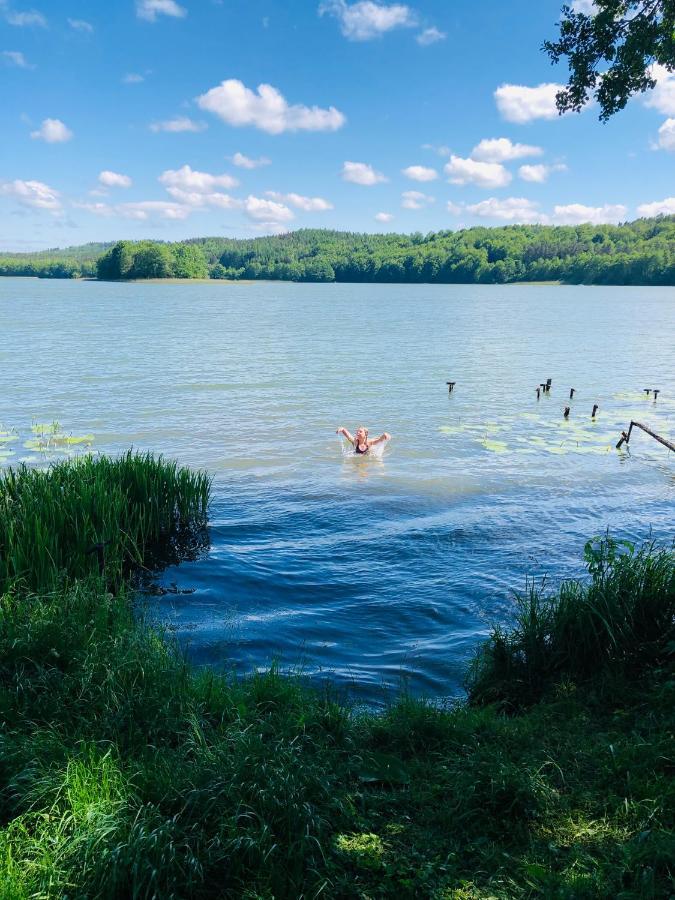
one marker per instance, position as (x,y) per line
(125,773)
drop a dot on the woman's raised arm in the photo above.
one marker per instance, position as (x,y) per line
(344,432)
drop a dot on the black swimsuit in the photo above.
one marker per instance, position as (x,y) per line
(358,450)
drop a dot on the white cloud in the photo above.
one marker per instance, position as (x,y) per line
(509,209)
(384,217)
(16,58)
(667,135)
(503,150)
(245,162)
(420,173)
(584,6)
(267,211)
(53,131)
(179,124)
(203,199)
(539,174)
(306,204)
(361,173)
(81,25)
(114,179)
(416,200)
(140,211)
(22,19)
(133,78)
(34,194)
(517,103)
(266,109)
(472,171)
(658,208)
(454,209)
(578,214)
(662,97)
(150,9)
(366,19)
(430,36)
(188,179)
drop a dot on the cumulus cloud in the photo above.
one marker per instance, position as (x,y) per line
(366,19)
(140,211)
(472,171)
(662,97)
(245,162)
(266,109)
(584,6)
(539,174)
(53,131)
(577,214)
(508,209)
(133,78)
(188,179)
(151,9)
(267,212)
(24,19)
(306,204)
(430,36)
(664,207)
(416,200)
(114,179)
(667,136)
(454,208)
(81,25)
(34,194)
(420,173)
(502,150)
(518,103)
(203,199)
(177,125)
(384,217)
(361,173)
(15,58)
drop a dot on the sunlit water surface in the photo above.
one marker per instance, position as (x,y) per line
(367,570)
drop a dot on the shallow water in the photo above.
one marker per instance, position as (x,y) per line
(364,569)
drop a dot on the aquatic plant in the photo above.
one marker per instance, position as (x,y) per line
(622,621)
(51,520)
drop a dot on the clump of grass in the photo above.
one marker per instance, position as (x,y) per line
(622,622)
(134,504)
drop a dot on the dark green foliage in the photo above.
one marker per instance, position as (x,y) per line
(620,624)
(641,252)
(611,49)
(150,259)
(72,262)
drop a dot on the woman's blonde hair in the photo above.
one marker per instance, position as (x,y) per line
(363,428)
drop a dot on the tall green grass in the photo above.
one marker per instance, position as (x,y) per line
(621,622)
(136,504)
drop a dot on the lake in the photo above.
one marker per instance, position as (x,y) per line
(370,571)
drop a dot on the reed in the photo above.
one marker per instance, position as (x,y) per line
(621,622)
(138,505)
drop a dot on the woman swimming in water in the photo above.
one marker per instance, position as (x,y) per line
(361,442)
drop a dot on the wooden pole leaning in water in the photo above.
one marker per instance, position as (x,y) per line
(625,436)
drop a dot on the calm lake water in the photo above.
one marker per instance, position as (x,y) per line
(364,570)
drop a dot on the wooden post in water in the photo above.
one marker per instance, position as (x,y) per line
(656,392)
(538,393)
(625,437)
(566,414)
(595,409)
(451,385)
(572,390)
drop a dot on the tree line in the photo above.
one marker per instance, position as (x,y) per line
(640,253)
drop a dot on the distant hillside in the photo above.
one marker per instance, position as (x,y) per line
(640,253)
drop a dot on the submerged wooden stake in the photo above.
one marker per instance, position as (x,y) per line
(566,414)
(451,385)
(572,390)
(625,437)
(657,391)
(595,409)
(538,393)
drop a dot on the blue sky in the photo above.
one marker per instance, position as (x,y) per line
(145,118)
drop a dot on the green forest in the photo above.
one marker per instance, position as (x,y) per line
(639,253)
